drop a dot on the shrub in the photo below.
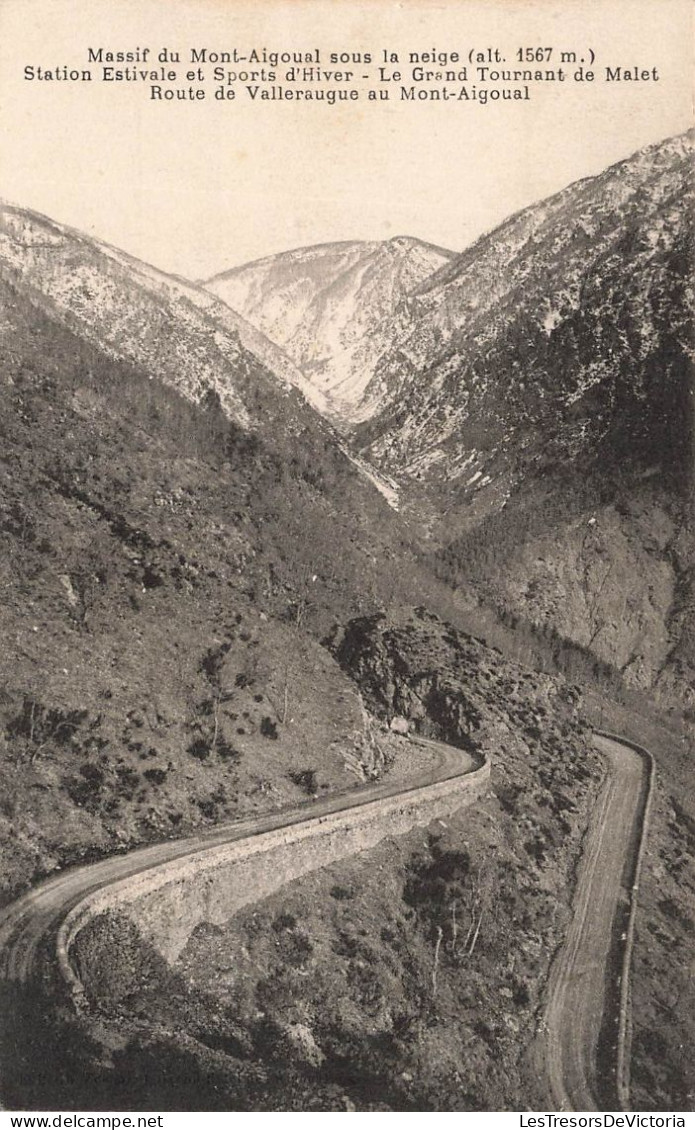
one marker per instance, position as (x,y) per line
(155,776)
(269,728)
(342,893)
(306,780)
(284,921)
(226,750)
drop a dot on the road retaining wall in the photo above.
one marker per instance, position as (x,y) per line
(170,900)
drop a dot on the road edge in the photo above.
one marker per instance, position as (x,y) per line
(623,1065)
(158,873)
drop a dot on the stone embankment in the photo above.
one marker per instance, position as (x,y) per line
(170,900)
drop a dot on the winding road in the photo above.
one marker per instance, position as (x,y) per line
(36,916)
(568,1052)
(566,1049)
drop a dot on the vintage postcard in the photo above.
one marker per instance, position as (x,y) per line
(347,655)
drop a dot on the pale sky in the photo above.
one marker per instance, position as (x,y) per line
(196,188)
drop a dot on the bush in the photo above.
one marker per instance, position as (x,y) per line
(227,751)
(155,776)
(269,728)
(199,749)
(342,893)
(306,780)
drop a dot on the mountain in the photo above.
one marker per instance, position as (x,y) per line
(529,401)
(179,530)
(537,413)
(330,308)
(176,554)
(169,328)
(162,323)
(547,338)
(195,571)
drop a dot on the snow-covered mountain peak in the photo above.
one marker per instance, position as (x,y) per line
(330,306)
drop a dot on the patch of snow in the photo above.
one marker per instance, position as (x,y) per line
(385,485)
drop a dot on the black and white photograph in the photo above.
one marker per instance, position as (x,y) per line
(347,560)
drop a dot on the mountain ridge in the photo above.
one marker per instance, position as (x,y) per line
(555,256)
(211,613)
(166,288)
(522,362)
(325,305)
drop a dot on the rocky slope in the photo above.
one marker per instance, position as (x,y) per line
(330,308)
(551,336)
(607,565)
(159,669)
(168,327)
(541,413)
(409,978)
(530,400)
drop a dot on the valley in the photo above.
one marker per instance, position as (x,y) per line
(505,392)
(303,543)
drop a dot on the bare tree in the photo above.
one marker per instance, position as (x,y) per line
(435,967)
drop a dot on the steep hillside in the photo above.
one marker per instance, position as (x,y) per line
(607,564)
(180,530)
(565,334)
(159,591)
(169,328)
(330,308)
(541,414)
(336,994)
